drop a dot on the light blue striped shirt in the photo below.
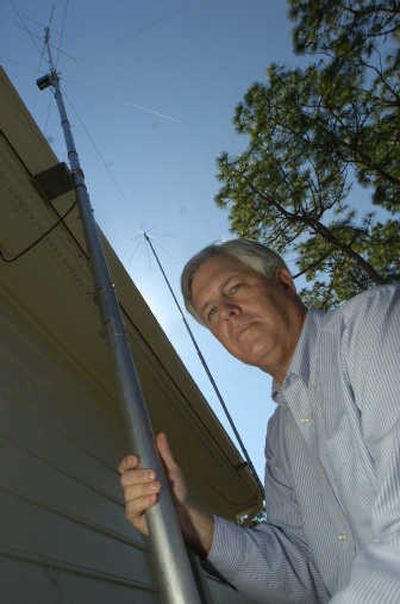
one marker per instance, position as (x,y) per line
(332,467)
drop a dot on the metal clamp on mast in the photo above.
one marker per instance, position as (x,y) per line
(174,572)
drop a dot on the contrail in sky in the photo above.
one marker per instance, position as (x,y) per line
(153,112)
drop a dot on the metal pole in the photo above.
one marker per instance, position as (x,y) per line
(173,569)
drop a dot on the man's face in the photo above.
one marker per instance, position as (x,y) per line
(258,320)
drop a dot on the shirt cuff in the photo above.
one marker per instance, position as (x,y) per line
(228,547)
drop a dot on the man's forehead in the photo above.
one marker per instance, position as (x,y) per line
(215,272)
(221,264)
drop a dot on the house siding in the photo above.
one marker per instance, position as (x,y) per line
(64,538)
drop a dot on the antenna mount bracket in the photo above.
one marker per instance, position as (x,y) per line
(45,81)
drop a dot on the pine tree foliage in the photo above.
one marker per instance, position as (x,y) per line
(312,133)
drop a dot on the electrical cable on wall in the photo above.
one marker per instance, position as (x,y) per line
(34,243)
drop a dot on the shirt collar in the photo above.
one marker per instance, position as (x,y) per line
(303,359)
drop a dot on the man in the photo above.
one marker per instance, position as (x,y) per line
(333,443)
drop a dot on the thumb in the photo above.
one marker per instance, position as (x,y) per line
(165,450)
(175,476)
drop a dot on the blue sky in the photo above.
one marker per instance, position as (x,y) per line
(151,87)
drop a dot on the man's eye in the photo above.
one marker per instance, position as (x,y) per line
(211,313)
(234,288)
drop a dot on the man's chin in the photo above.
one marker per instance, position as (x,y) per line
(255,356)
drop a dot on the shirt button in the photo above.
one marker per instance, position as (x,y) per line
(305,420)
(343,538)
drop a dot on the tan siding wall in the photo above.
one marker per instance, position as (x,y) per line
(64,538)
(60,504)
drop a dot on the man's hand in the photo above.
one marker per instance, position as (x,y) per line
(141,489)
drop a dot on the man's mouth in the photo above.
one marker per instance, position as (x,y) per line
(241,329)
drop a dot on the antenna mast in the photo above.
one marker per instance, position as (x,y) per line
(174,571)
(207,369)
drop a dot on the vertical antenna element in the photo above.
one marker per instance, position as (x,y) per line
(207,369)
(174,573)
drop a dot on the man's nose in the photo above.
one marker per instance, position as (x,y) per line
(229,310)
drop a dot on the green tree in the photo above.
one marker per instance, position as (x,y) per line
(359,43)
(312,132)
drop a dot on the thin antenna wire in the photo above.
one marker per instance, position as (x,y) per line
(23,26)
(41,57)
(63,21)
(33,36)
(53,8)
(206,368)
(38,23)
(46,121)
(44,42)
(96,148)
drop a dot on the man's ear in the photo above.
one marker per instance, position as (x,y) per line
(285,279)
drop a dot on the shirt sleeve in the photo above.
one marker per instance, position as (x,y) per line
(270,563)
(373,352)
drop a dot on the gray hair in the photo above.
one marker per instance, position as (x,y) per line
(255,255)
